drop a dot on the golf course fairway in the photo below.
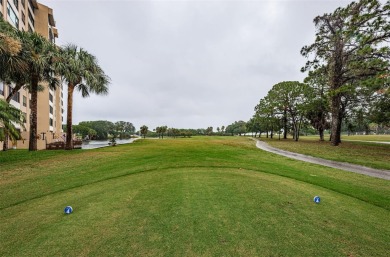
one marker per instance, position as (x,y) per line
(202,196)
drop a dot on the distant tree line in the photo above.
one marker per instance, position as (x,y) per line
(162,131)
(102,129)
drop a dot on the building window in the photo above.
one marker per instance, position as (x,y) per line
(31,18)
(1,88)
(23,3)
(1,2)
(51,109)
(24,117)
(12,17)
(30,29)
(51,122)
(24,101)
(50,97)
(1,15)
(16,96)
(16,3)
(51,36)
(23,18)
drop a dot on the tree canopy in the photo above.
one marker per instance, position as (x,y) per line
(350,48)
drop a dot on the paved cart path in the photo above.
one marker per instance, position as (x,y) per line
(384,174)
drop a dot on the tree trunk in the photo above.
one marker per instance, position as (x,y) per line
(69,130)
(335,84)
(335,120)
(33,144)
(5,142)
(321,131)
(285,124)
(14,91)
(296,132)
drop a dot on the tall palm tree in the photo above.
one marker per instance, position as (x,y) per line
(13,66)
(80,70)
(40,57)
(25,59)
(9,117)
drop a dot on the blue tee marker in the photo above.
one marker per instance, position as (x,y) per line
(316,199)
(68,210)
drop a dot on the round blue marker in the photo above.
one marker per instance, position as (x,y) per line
(68,210)
(317,199)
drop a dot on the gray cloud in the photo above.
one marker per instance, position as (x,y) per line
(187,63)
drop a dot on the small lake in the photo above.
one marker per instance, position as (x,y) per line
(92,144)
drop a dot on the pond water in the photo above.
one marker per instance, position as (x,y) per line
(92,144)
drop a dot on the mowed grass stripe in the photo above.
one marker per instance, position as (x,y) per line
(196,212)
(22,183)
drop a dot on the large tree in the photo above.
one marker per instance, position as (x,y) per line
(124,128)
(265,113)
(351,44)
(290,98)
(41,54)
(318,109)
(81,71)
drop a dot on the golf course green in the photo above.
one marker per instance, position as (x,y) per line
(201,196)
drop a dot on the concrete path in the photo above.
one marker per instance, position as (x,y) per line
(384,174)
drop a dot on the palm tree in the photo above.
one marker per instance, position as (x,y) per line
(25,59)
(80,70)
(9,115)
(13,66)
(8,43)
(144,130)
(40,57)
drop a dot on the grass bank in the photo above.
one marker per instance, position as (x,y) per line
(187,197)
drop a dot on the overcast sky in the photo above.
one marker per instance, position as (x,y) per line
(187,64)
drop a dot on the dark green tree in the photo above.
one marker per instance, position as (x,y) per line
(351,44)
(144,130)
(81,71)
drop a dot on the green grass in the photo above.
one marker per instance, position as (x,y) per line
(379,138)
(362,153)
(383,138)
(187,197)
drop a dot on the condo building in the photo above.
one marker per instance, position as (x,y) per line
(29,15)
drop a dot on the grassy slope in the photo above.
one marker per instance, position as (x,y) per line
(383,138)
(380,138)
(201,196)
(362,153)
